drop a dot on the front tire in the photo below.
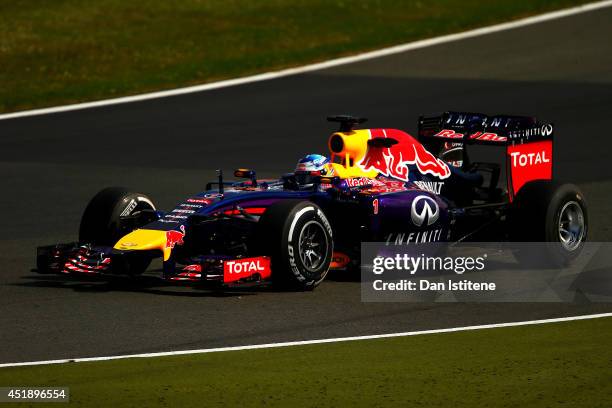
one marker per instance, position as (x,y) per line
(100,223)
(298,238)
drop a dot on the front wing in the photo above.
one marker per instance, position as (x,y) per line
(85,259)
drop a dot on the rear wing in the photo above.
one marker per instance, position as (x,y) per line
(468,127)
(528,142)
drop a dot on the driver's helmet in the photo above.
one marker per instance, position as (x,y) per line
(310,166)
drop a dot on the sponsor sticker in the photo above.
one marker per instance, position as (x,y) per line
(204,201)
(238,269)
(183,211)
(191,205)
(449,134)
(431,186)
(488,137)
(530,161)
(363,181)
(414,237)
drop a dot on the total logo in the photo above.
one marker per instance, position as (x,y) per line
(424,211)
(528,159)
(243,268)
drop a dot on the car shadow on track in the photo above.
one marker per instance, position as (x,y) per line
(149,284)
(154,285)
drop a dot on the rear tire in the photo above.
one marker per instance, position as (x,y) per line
(298,238)
(100,221)
(551,212)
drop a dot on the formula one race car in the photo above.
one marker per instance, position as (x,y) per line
(378,185)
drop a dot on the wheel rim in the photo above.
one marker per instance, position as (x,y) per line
(312,245)
(571,225)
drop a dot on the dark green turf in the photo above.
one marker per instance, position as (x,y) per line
(554,365)
(60,51)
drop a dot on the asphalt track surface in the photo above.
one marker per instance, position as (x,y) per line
(51,165)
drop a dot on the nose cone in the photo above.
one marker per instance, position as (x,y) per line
(144,240)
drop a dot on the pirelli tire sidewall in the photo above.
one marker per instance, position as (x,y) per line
(284,223)
(100,220)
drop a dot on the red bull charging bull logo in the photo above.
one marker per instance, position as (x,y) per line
(174,237)
(393,161)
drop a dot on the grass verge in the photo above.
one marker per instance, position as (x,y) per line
(553,365)
(63,51)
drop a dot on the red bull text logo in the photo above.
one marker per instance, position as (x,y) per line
(393,161)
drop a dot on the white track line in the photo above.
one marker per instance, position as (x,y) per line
(308,342)
(321,65)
